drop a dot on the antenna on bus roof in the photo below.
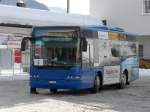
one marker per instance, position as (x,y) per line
(104,22)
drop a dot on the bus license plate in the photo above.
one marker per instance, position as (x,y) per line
(52,82)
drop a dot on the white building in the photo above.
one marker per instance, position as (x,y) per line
(131,15)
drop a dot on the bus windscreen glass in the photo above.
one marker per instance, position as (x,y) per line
(56,51)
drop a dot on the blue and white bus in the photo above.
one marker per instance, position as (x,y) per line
(81,57)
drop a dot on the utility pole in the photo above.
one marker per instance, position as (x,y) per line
(68,6)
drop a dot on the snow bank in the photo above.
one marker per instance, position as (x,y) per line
(36,17)
(144,72)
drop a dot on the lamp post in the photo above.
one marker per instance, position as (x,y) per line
(68,6)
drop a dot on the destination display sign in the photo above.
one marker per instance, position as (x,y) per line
(61,34)
(58,39)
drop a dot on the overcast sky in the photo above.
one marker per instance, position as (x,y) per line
(76,6)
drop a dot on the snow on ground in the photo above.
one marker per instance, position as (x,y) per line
(144,72)
(15,97)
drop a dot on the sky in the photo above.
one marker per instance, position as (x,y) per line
(76,6)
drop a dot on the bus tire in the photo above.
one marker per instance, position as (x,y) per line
(33,91)
(123,81)
(53,91)
(97,84)
(128,83)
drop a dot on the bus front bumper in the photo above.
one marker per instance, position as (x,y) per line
(59,84)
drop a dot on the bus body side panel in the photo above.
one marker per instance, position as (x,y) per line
(111,75)
(130,60)
(88,76)
(132,66)
(109,60)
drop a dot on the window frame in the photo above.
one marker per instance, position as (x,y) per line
(143,7)
(141,50)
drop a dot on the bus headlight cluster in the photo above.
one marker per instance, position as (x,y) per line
(71,77)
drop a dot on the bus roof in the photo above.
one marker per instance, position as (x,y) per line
(104,28)
(43,30)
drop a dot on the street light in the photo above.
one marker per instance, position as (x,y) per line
(68,6)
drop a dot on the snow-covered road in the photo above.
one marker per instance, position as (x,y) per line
(15,97)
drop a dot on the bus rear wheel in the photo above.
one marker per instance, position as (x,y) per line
(97,84)
(33,91)
(123,81)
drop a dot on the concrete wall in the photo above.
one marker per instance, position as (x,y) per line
(127,14)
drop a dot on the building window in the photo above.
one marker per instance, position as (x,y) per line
(141,51)
(147,6)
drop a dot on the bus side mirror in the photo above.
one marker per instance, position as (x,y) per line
(25,42)
(84,45)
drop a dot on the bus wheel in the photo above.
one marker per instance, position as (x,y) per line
(97,84)
(53,90)
(33,91)
(123,81)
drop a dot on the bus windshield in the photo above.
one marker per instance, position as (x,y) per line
(56,51)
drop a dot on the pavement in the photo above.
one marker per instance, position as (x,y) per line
(15,97)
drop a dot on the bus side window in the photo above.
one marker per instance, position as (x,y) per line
(87,54)
(25,44)
(84,44)
(115,52)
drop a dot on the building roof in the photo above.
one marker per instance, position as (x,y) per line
(36,17)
